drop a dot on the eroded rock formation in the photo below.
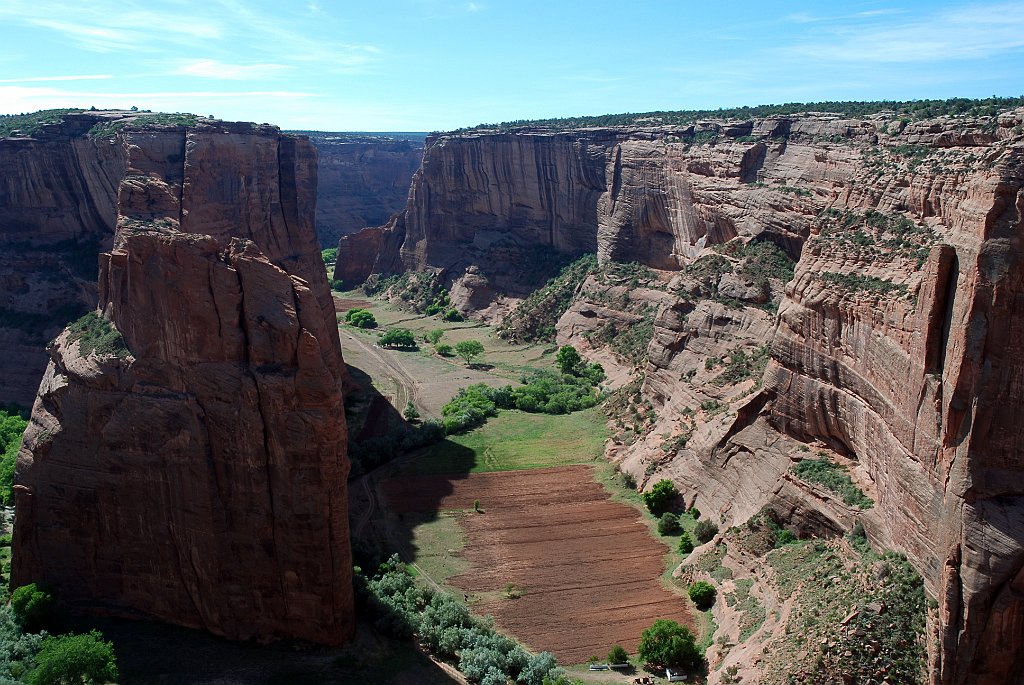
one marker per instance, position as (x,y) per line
(894,348)
(363,180)
(185,460)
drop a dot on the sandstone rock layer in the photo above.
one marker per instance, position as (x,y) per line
(198,477)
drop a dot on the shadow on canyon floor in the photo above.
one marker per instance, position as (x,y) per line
(155,653)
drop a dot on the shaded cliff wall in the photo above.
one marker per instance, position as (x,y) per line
(197,475)
(58,205)
(362,182)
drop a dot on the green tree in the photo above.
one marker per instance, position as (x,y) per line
(702,594)
(666,643)
(569,361)
(618,655)
(685,543)
(668,523)
(330,255)
(360,318)
(443,349)
(12,426)
(398,337)
(660,497)
(469,350)
(410,413)
(73,659)
(33,607)
(433,337)
(705,530)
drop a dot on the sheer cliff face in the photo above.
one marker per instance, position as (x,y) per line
(362,182)
(58,204)
(896,344)
(198,476)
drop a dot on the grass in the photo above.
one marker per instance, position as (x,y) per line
(96,334)
(29,124)
(833,477)
(515,440)
(437,541)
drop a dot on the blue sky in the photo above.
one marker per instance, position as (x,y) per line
(420,65)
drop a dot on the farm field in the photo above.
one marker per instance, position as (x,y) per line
(586,570)
(515,440)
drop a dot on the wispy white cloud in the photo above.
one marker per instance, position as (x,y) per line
(473,7)
(213,69)
(968,32)
(38,79)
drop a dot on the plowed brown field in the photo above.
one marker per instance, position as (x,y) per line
(588,568)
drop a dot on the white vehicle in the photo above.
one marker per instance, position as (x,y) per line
(675,676)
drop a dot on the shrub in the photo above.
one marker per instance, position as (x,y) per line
(660,497)
(410,413)
(17,648)
(685,543)
(705,530)
(360,318)
(469,349)
(67,659)
(95,334)
(666,643)
(443,349)
(618,655)
(668,523)
(330,255)
(452,314)
(433,337)
(33,607)
(401,338)
(535,317)
(702,594)
(833,477)
(695,513)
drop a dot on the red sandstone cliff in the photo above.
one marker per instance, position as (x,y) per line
(198,477)
(895,344)
(362,181)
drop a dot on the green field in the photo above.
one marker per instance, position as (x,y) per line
(515,440)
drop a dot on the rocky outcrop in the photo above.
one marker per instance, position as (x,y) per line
(185,460)
(363,181)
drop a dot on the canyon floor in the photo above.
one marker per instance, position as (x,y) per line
(560,554)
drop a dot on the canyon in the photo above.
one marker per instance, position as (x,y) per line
(816,281)
(361,180)
(185,460)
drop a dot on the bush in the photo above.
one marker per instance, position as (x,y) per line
(410,413)
(433,337)
(469,350)
(33,607)
(833,477)
(330,255)
(618,655)
(401,338)
(705,530)
(360,318)
(666,643)
(95,334)
(695,513)
(68,659)
(702,594)
(668,523)
(660,497)
(685,543)
(17,648)
(443,349)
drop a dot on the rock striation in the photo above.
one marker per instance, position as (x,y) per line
(363,181)
(893,349)
(185,460)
